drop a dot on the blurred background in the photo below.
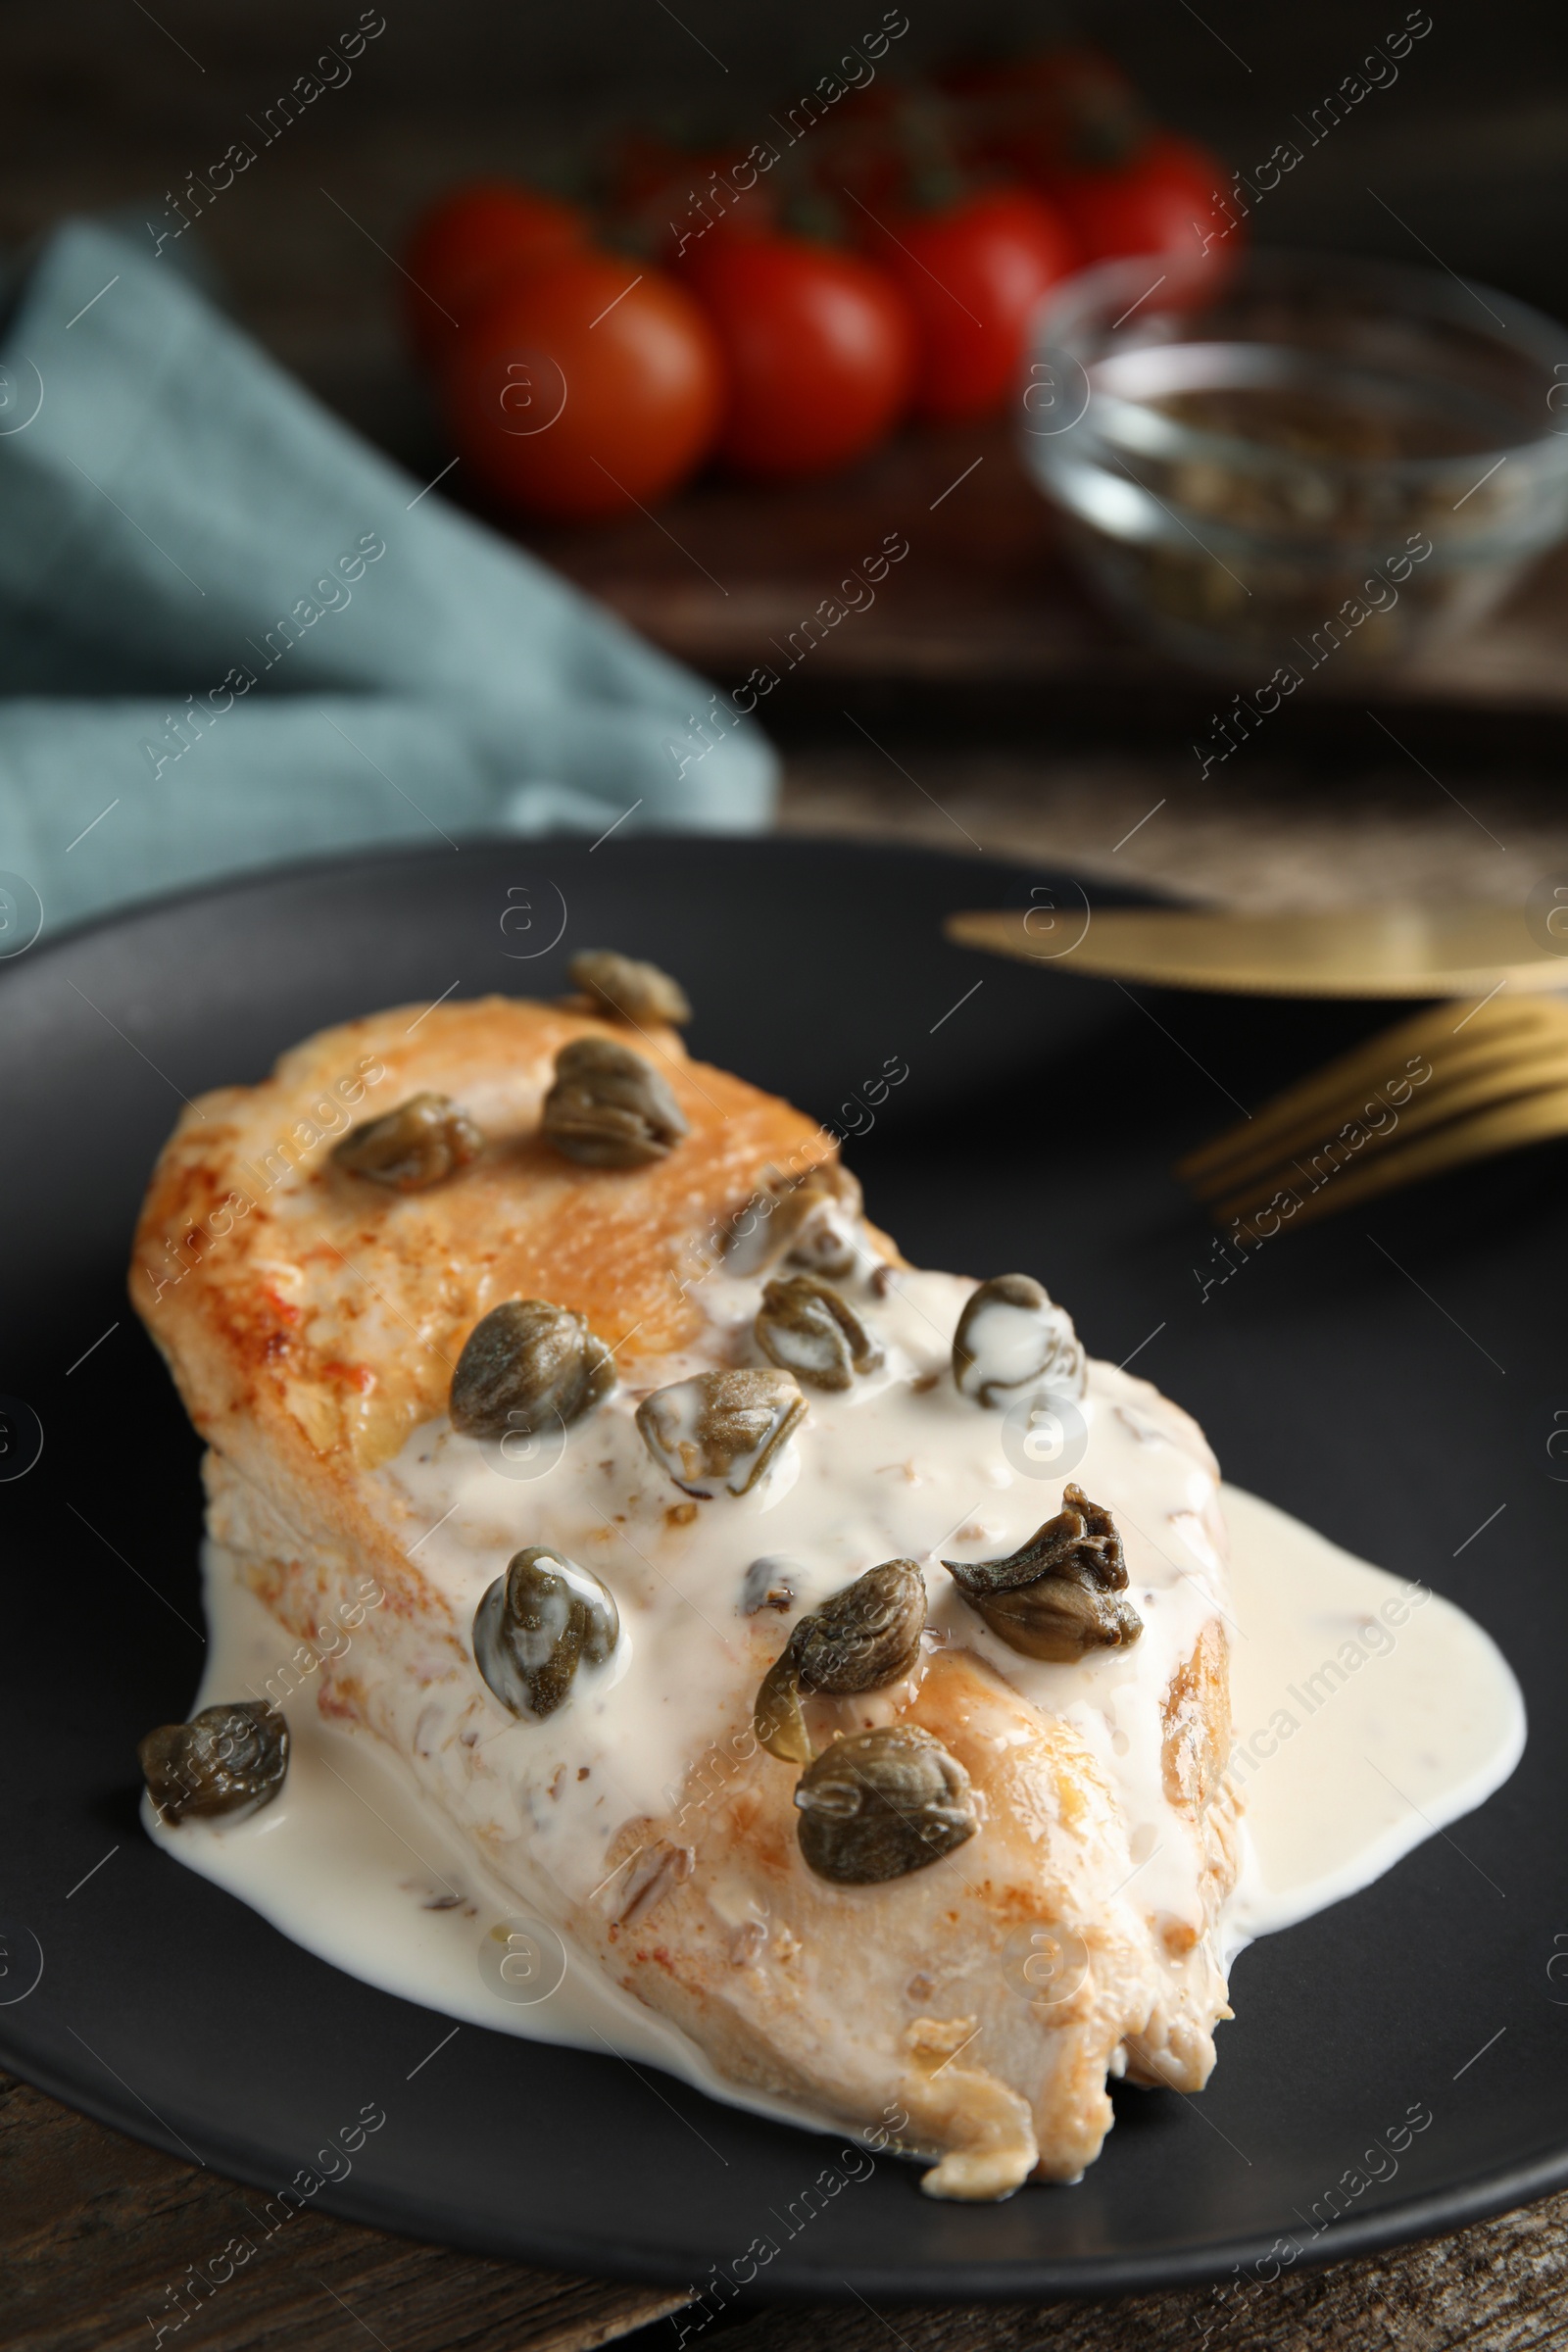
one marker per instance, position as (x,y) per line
(110,105)
(1043,720)
(990,696)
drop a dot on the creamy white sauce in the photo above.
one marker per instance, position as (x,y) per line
(896,1466)
(353,1862)
(1369,1713)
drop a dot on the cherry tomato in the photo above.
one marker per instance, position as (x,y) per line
(819,348)
(1164,198)
(491,229)
(973,274)
(586,388)
(862,151)
(1058,110)
(669,198)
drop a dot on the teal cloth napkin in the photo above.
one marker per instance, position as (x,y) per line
(232,634)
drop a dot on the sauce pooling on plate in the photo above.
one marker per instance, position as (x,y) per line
(1368,1712)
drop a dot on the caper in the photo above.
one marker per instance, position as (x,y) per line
(425,1138)
(1060,1621)
(536,1625)
(806,1327)
(525,1365)
(878,1805)
(1013,1336)
(720,1427)
(868,1636)
(225,1758)
(768,1583)
(824,1240)
(779,1720)
(609,1109)
(1059,1595)
(630,991)
(811,1219)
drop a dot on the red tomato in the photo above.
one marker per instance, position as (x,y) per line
(476,235)
(862,151)
(819,348)
(720,193)
(1164,199)
(669,197)
(586,388)
(1055,111)
(973,274)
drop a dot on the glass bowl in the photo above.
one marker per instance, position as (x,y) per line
(1302,461)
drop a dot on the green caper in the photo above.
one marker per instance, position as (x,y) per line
(1059,1596)
(630,991)
(809,1219)
(536,1625)
(1060,1621)
(425,1138)
(868,1636)
(609,1109)
(225,1758)
(767,1584)
(805,1326)
(779,1720)
(525,1365)
(878,1805)
(1013,1336)
(720,1427)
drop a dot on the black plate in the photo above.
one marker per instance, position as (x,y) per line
(1391,1377)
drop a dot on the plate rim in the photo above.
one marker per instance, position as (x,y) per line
(984,2279)
(367,855)
(1437,2214)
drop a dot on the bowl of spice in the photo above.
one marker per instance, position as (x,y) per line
(1300,457)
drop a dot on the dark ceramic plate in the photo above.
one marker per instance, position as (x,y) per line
(1391,1377)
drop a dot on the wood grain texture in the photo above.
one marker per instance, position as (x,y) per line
(1495,2288)
(734,578)
(97,2234)
(99,2237)
(114,110)
(104,106)
(96,2231)
(1266,834)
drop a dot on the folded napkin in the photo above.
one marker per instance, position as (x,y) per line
(232,634)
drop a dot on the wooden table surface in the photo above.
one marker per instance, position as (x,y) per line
(982,603)
(1004,713)
(97,2232)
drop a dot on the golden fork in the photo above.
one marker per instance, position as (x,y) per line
(1460,1081)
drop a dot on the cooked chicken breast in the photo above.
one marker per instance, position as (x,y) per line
(939,1886)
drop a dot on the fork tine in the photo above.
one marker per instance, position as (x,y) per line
(1505,1127)
(1365,1064)
(1466,1083)
(1501,1081)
